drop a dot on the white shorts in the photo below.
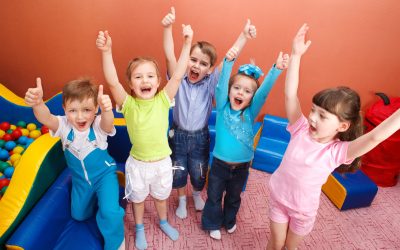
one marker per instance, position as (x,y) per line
(144,178)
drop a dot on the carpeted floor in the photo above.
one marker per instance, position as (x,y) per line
(374,227)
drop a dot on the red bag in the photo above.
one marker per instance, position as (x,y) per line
(382,164)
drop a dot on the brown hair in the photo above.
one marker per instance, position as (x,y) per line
(80,89)
(132,65)
(206,48)
(233,79)
(345,104)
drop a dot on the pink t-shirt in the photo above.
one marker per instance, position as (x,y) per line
(305,167)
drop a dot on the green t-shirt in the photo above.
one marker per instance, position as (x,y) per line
(147,125)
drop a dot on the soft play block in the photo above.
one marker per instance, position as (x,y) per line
(350,190)
(272,144)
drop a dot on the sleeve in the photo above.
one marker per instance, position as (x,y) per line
(300,125)
(128,100)
(62,127)
(339,153)
(262,92)
(214,76)
(96,126)
(223,82)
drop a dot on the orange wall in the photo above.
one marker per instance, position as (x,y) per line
(354,43)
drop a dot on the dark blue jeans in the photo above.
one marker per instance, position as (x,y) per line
(190,150)
(231,179)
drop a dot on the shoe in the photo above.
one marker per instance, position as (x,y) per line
(215,234)
(232,229)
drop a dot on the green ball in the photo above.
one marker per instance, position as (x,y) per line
(2,142)
(3,190)
(4,165)
(21,124)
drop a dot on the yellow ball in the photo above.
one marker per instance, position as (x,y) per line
(2,133)
(14,157)
(25,132)
(35,134)
(31,126)
(13,127)
(1,174)
(18,150)
(16,162)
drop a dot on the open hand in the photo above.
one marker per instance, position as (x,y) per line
(300,46)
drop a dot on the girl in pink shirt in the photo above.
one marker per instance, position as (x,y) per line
(329,138)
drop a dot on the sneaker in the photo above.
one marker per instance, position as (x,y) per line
(233,229)
(215,234)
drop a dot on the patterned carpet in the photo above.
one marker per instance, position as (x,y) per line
(375,227)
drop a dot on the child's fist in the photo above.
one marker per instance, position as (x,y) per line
(282,61)
(249,30)
(103,41)
(34,96)
(169,19)
(104,101)
(232,53)
(187,31)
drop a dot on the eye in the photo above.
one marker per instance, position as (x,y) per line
(235,87)
(204,64)
(193,59)
(138,77)
(248,91)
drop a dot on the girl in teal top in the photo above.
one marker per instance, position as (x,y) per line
(238,103)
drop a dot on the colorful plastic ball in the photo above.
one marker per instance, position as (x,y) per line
(2,175)
(3,154)
(4,182)
(17,133)
(2,133)
(29,141)
(14,158)
(15,164)
(3,190)
(3,166)
(44,130)
(2,143)
(22,140)
(21,124)
(18,150)
(9,131)
(8,172)
(35,134)
(25,132)
(5,126)
(31,126)
(7,137)
(13,127)
(10,145)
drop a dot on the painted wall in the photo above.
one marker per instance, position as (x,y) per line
(354,43)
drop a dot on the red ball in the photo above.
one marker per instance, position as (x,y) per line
(7,137)
(4,182)
(5,126)
(16,134)
(44,130)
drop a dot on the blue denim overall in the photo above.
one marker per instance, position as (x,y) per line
(94,180)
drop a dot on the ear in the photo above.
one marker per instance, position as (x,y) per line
(210,70)
(343,126)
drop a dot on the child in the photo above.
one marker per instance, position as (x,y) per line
(328,138)
(189,136)
(84,139)
(149,167)
(238,103)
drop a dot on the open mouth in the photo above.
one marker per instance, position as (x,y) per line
(193,74)
(81,124)
(238,101)
(145,90)
(312,129)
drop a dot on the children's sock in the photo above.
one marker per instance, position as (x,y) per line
(171,232)
(198,201)
(140,241)
(181,211)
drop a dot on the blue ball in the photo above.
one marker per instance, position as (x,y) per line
(22,140)
(4,154)
(8,172)
(10,145)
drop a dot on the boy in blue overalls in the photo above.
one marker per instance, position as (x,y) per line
(84,139)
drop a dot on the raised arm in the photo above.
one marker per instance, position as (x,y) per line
(104,43)
(299,47)
(368,141)
(249,32)
(107,116)
(34,99)
(173,84)
(168,41)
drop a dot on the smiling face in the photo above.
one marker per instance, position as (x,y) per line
(324,126)
(199,65)
(241,91)
(145,80)
(80,114)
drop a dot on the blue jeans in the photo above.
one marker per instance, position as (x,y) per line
(224,177)
(190,150)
